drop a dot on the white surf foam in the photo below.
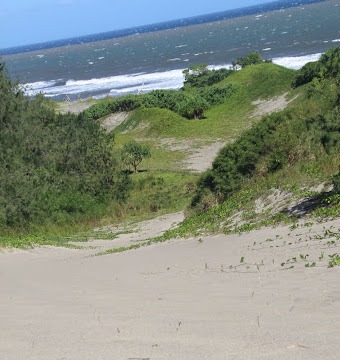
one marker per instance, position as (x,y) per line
(296,62)
(37,86)
(138,82)
(121,84)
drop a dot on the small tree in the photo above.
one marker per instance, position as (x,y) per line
(250,59)
(133,153)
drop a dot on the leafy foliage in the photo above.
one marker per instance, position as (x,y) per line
(251,58)
(200,76)
(336,183)
(273,144)
(54,168)
(133,153)
(189,104)
(327,67)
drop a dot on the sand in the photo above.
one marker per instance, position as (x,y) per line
(74,107)
(238,297)
(266,107)
(184,299)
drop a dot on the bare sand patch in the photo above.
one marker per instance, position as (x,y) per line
(199,155)
(110,122)
(220,297)
(201,158)
(266,107)
(74,107)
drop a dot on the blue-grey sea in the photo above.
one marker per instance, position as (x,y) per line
(154,56)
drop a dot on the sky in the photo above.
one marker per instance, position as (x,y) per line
(24,22)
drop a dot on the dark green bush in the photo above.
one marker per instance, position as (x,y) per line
(189,104)
(327,67)
(336,183)
(200,76)
(52,167)
(251,58)
(278,140)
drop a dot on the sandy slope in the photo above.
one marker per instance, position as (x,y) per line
(223,297)
(185,299)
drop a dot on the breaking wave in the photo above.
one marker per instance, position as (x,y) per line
(133,83)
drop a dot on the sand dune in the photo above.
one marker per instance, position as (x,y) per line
(221,297)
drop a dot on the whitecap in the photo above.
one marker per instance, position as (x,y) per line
(266,49)
(120,84)
(296,62)
(37,86)
(335,40)
(137,82)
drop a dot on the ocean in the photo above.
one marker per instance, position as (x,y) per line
(153,57)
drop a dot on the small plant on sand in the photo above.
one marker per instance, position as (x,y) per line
(335,260)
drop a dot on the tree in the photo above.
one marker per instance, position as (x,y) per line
(250,59)
(133,153)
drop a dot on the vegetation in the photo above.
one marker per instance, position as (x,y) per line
(197,76)
(55,169)
(189,104)
(327,67)
(251,58)
(61,173)
(133,153)
(272,144)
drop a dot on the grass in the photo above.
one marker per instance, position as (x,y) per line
(164,186)
(223,121)
(292,180)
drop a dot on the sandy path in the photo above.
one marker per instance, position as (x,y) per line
(176,300)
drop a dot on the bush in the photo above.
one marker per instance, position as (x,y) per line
(306,74)
(336,183)
(52,166)
(250,59)
(327,67)
(200,76)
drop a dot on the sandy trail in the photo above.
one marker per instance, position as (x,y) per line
(184,299)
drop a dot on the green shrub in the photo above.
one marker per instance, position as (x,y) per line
(52,167)
(336,183)
(327,67)
(251,58)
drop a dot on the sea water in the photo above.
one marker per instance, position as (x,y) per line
(152,57)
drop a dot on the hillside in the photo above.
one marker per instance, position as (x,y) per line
(185,131)
(194,255)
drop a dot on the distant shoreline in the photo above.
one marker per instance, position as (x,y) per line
(133,83)
(202,19)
